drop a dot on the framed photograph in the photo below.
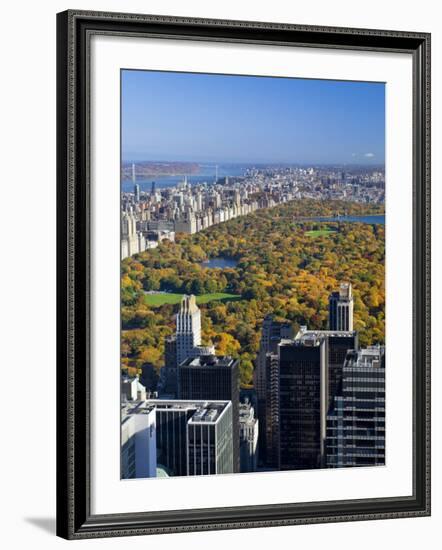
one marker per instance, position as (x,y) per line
(243,274)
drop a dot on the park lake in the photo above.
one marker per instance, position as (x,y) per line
(159,298)
(221,262)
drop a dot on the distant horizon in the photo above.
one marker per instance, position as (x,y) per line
(172,160)
(250,119)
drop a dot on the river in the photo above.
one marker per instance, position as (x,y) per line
(206,174)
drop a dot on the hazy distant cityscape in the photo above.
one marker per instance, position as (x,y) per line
(150,213)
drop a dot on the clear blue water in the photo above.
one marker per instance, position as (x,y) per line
(220,262)
(378,218)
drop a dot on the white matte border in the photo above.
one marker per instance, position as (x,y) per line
(110,494)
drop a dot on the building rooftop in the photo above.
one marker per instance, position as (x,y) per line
(370,357)
(125,379)
(207,415)
(188,304)
(311,339)
(209,361)
(344,292)
(201,411)
(135,407)
(320,333)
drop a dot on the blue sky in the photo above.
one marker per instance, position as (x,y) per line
(221,118)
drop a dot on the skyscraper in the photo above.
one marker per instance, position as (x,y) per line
(171,429)
(341,308)
(188,333)
(271,418)
(184,437)
(356,423)
(168,383)
(303,402)
(272,334)
(138,441)
(339,343)
(213,377)
(188,328)
(194,437)
(209,440)
(137,192)
(130,241)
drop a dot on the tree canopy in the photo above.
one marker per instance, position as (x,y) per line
(282,268)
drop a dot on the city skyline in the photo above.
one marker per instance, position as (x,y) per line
(198,423)
(271,120)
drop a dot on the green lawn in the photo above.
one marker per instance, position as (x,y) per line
(319,232)
(157,300)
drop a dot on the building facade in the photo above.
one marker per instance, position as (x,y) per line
(213,377)
(129,236)
(341,308)
(338,344)
(138,441)
(171,421)
(188,332)
(303,402)
(188,328)
(194,437)
(271,418)
(179,437)
(356,423)
(136,192)
(209,440)
(272,333)
(132,389)
(168,383)
(248,438)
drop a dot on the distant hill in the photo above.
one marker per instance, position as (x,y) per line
(152,168)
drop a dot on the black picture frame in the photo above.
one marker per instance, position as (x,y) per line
(74,518)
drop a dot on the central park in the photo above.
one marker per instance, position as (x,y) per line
(281,261)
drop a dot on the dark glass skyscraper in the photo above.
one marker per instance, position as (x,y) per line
(171,427)
(303,402)
(168,383)
(213,377)
(339,343)
(272,333)
(271,419)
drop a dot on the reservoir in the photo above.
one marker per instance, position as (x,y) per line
(376,219)
(221,263)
